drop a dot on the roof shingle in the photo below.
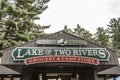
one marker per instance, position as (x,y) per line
(111,71)
(4,71)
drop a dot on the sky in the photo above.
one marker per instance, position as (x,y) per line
(89,14)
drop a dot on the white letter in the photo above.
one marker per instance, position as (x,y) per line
(40,52)
(68,52)
(56,52)
(75,52)
(34,52)
(102,53)
(28,52)
(19,56)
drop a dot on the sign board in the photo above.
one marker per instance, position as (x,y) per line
(61,41)
(60,54)
(76,59)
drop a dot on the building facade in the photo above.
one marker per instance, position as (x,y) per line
(110,74)
(59,56)
(9,74)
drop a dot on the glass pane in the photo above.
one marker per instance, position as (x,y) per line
(100,78)
(6,78)
(0,78)
(52,74)
(110,78)
(52,79)
(16,78)
(40,76)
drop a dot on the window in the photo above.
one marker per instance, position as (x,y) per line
(0,78)
(100,78)
(6,78)
(16,78)
(110,78)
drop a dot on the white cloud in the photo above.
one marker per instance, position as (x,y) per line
(114,6)
(90,14)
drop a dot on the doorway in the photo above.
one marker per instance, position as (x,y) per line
(59,76)
(52,78)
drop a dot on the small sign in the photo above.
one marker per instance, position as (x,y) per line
(61,59)
(52,54)
(61,42)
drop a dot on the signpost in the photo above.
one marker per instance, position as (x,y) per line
(60,54)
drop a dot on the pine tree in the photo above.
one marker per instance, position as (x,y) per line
(17,21)
(66,29)
(114,31)
(79,31)
(101,37)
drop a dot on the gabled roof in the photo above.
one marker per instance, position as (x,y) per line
(4,71)
(112,71)
(53,36)
(57,36)
(8,60)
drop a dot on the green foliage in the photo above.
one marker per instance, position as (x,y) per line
(114,31)
(109,37)
(83,33)
(101,37)
(79,31)
(17,21)
(66,29)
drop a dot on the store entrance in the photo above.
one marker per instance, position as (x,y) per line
(52,78)
(59,76)
(62,74)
